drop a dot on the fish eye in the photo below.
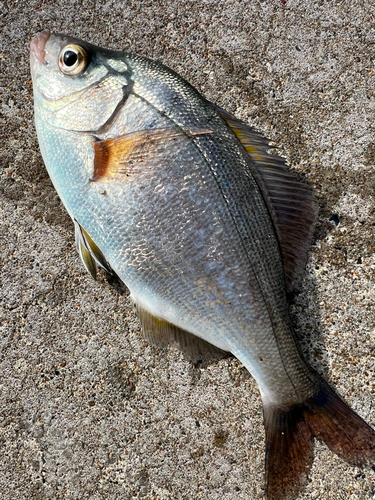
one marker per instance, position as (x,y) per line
(73,59)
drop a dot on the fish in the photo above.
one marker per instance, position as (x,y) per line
(208,230)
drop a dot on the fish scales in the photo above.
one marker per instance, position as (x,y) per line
(229,166)
(208,231)
(234,180)
(226,176)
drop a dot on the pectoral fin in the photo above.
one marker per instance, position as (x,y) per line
(132,154)
(90,253)
(161,333)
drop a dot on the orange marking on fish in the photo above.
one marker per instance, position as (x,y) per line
(120,157)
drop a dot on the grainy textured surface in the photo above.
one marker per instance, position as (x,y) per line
(87,408)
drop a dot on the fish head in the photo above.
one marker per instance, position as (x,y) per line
(77,86)
(80,90)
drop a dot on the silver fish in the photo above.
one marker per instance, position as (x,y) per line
(208,231)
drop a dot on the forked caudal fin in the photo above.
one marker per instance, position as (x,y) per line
(289,440)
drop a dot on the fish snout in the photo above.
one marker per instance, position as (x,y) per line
(37,46)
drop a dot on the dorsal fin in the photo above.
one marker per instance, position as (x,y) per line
(290,203)
(161,333)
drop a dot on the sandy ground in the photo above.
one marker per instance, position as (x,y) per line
(88,410)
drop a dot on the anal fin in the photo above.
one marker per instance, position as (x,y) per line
(161,333)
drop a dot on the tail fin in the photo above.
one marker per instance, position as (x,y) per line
(289,440)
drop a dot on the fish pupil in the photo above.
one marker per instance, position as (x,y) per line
(70,58)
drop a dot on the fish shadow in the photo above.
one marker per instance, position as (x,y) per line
(304,309)
(305,316)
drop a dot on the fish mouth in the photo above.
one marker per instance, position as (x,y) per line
(37,46)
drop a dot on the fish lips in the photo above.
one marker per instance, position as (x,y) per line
(37,47)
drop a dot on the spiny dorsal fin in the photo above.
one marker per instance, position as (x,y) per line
(161,333)
(89,252)
(290,203)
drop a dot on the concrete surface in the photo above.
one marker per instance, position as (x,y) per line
(88,410)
